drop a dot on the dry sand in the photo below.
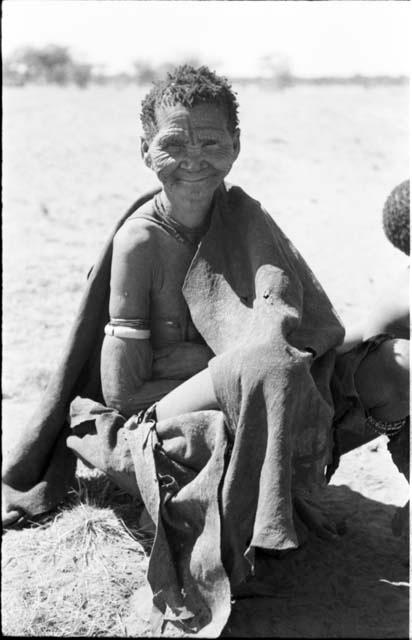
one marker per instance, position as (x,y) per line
(321,161)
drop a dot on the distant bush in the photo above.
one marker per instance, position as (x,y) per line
(52,64)
(276,71)
(146,73)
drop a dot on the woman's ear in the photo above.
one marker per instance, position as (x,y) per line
(236,142)
(144,150)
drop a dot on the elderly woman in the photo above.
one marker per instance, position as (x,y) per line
(206,368)
(151,343)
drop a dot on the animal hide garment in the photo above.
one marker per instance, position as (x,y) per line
(217,484)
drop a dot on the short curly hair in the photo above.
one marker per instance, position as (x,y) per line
(396,217)
(189,87)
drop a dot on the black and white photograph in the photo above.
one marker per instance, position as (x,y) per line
(205,336)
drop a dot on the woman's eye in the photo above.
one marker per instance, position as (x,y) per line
(210,143)
(171,145)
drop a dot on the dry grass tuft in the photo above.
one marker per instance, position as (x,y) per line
(73,574)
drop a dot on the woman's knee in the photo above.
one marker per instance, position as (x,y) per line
(382,379)
(396,364)
(272,359)
(401,355)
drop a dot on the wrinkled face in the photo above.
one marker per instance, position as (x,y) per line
(192,151)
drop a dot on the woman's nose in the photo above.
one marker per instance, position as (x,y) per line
(193,160)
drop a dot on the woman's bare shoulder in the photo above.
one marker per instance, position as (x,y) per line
(136,233)
(132,269)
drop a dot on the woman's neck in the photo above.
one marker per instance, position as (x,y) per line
(189,214)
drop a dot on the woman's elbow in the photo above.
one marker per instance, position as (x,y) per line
(119,381)
(116,396)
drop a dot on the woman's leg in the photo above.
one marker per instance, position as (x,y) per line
(195,394)
(382,381)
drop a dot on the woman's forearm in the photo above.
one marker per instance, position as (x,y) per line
(195,394)
(126,375)
(129,402)
(134,377)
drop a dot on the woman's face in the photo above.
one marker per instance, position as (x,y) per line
(192,151)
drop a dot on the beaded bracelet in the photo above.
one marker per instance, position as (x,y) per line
(386,428)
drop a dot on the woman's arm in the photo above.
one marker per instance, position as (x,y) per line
(127,362)
(126,370)
(180,361)
(385,318)
(389,314)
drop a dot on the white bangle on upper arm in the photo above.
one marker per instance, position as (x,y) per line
(130,329)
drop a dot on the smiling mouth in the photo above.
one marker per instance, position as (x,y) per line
(193,178)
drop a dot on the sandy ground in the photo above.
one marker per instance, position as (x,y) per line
(322,161)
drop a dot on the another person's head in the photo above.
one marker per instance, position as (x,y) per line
(396,222)
(191,135)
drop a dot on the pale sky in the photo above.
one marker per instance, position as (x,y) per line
(318,38)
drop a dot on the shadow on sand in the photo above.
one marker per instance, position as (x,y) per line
(354,587)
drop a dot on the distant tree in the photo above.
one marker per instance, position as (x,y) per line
(276,67)
(190,59)
(145,72)
(14,73)
(82,74)
(99,75)
(51,64)
(54,63)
